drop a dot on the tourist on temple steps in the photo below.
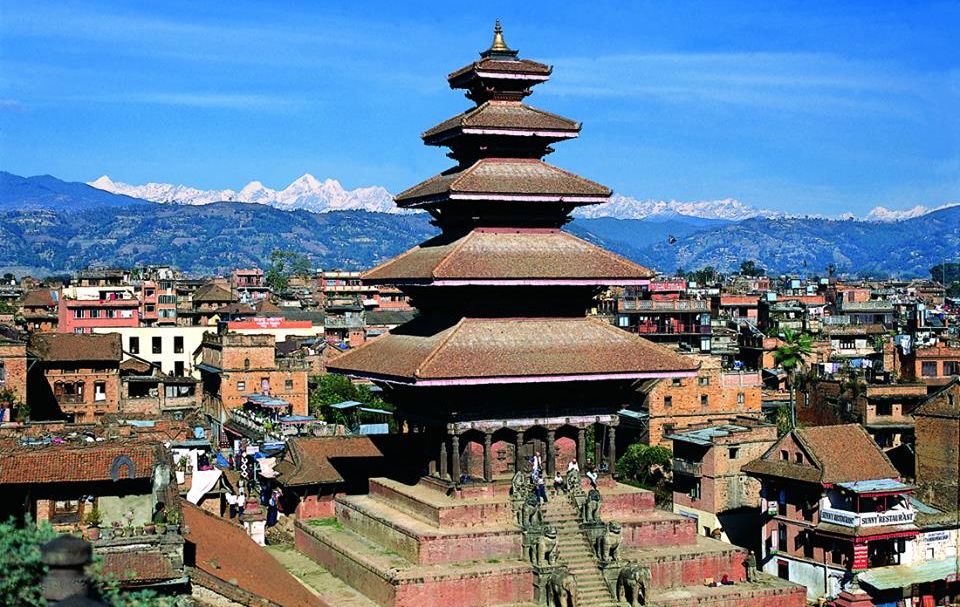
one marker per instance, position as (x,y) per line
(573,465)
(558,484)
(541,489)
(592,475)
(537,463)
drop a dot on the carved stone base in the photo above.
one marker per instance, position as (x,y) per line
(541,577)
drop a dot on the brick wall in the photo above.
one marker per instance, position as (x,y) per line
(13,357)
(87,409)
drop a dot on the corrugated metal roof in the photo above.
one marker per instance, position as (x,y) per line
(705,436)
(880,485)
(904,576)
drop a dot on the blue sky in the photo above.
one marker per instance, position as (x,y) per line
(804,107)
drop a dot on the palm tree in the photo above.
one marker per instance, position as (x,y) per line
(789,357)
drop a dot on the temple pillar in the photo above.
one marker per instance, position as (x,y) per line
(581,448)
(455,448)
(551,453)
(517,461)
(487,457)
(612,449)
(597,444)
(443,459)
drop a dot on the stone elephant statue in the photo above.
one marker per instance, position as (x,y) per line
(607,546)
(530,514)
(544,552)
(632,585)
(590,510)
(561,589)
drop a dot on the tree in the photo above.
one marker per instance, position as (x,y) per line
(946,273)
(750,268)
(641,462)
(333,388)
(23,571)
(283,265)
(831,269)
(789,357)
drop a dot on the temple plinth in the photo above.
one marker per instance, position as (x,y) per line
(502,363)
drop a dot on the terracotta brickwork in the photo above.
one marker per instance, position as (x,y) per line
(94,391)
(714,395)
(13,368)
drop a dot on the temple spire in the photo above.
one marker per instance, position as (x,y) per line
(499,46)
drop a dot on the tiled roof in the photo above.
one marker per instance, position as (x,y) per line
(225,551)
(515,349)
(236,308)
(265,306)
(841,454)
(38,298)
(63,463)
(212,292)
(307,461)
(132,568)
(508,115)
(73,347)
(504,65)
(389,317)
(504,179)
(938,404)
(508,254)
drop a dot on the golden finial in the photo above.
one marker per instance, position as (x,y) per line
(498,43)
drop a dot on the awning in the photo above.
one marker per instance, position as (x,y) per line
(885,486)
(904,576)
(347,404)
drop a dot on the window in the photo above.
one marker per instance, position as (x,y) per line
(929,369)
(167,299)
(704,400)
(798,457)
(3,373)
(241,386)
(157,345)
(288,385)
(951,367)
(783,569)
(178,344)
(126,313)
(623,321)
(782,537)
(148,293)
(94,313)
(65,511)
(807,545)
(246,363)
(836,555)
(884,409)
(78,313)
(150,307)
(134,345)
(847,344)
(741,398)
(667,401)
(784,455)
(99,391)
(695,490)
(178,368)
(703,381)
(733,452)
(676,383)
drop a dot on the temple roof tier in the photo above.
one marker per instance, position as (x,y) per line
(473,351)
(503,118)
(508,256)
(505,179)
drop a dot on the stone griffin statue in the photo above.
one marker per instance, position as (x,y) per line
(518,486)
(607,545)
(590,510)
(530,514)
(544,552)
(572,480)
(561,589)
(632,585)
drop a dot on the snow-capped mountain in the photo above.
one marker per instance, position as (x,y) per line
(625,207)
(307,192)
(887,215)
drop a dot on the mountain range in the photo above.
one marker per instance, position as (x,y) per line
(310,194)
(48,226)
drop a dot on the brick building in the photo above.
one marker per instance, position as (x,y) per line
(13,375)
(204,304)
(233,366)
(38,311)
(937,428)
(77,376)
(715,395)
(834,506)
(81,309)
(935,365)
(249,285)
(709,486)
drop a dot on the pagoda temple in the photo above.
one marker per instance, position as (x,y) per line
(502,354)
(503,362)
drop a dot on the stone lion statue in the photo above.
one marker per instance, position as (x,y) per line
(572,480)
(544,553)
(561,589)
(607,545)
(518,485)
(530,513)
(632,584)
(590,511)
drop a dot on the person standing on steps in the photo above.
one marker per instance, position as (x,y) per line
(541,489)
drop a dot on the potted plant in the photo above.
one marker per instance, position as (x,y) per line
(182,469)
(160,528)
(173,521)
(150,528)
(117,529)
(93,520)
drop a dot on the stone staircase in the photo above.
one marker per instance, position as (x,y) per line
(577,553)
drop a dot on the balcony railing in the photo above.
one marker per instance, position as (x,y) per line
(676,305)
(682,466)
(846,518)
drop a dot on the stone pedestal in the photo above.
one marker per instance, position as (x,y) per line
(541,577)
(254,521)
